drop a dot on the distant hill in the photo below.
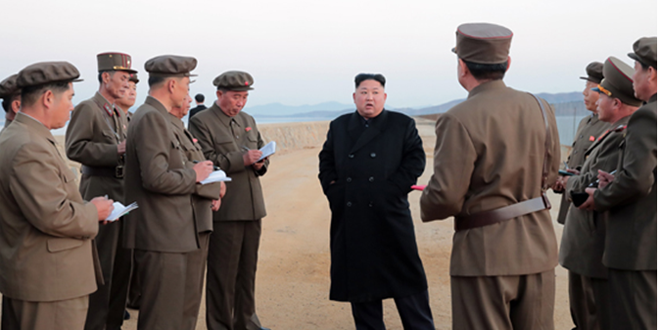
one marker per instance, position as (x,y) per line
(566,104)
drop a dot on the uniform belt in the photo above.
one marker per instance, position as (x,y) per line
(112,172)
(491,217)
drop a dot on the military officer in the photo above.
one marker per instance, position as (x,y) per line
(588,130)
(230,138)
(629,199)
(205,200)
(582,243)
(11,98)
(47,258)
(128,99)
(96,138)
(162,231)
(496,154)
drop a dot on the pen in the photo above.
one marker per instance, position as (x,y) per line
(215,168)
(595,183)
(245,148)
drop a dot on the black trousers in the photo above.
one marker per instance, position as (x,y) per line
(414,311)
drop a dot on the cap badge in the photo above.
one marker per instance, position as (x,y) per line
(246,83)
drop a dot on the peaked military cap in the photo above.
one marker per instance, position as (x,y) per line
(134,78)
(594,72)
(234,81)
(47,72)
(483,43)
(8,87)
(114,62)
(618,81)
(646,51)
(171,66)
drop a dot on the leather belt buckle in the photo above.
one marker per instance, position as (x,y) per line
(119,172)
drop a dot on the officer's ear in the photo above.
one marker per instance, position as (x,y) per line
(171,85)
(218,94)
(653,75)
(508,63)
(16,105)
(105,77)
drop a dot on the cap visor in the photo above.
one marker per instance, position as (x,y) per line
(595,89)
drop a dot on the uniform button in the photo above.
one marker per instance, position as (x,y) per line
(351,156)
(237,136)
(373,155)
(349,204)
(371,179)
(349,179)
(371,204)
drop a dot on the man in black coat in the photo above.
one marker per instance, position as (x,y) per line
(199,99)
(369,161)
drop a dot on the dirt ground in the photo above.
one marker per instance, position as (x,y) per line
(294,260)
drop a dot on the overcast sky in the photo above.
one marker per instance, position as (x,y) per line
(307,52)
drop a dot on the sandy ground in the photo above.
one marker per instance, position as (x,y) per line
(294,260)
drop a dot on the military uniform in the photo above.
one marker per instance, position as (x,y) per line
(498,150)
(234,246)
(201,201)
(630,206)
(95,130)
(583,240)
(162,231)
(589,129)
(48,262)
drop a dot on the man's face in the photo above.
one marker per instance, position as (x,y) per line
(369,98)
(180,92)
(117,83)
(62,107)
(181,111)
(232,102)
(606,108)
(128,99)
(590,97)
(641,82)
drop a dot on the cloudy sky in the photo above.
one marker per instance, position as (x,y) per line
(307,52)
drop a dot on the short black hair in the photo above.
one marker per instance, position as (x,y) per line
(155,80)
(30,95)
(111,72)
(644,66)
(487,71)
(369,76)
(199,97)
(6,102)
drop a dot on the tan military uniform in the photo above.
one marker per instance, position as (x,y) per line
(47,260)
(201,200)
(234,243)
(489,154)
(589,129)
(631,242)
(95,130)
(162,230)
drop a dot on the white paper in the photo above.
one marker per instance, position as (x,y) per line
(216,176)
(268,150)
(120,210)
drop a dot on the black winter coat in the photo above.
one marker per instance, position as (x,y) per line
(372,240)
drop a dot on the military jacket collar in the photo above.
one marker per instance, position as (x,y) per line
(34,126)
(224,119)
(103,103)
(618,126)
(175,121)
(487,86)
(152,101)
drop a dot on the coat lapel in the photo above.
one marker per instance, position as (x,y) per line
(355,126)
